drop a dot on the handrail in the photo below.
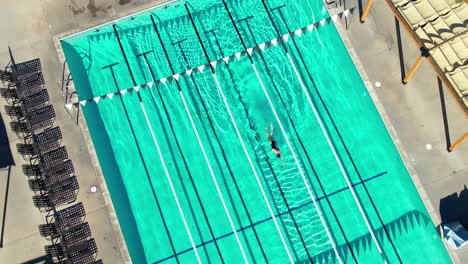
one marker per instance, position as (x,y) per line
(63,73)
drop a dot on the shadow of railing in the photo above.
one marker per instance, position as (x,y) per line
(401,225)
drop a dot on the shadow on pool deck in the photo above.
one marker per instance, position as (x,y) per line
(6,157)
(453,208)
(6,162)
(39,260)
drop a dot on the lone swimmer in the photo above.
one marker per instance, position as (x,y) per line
(274,147)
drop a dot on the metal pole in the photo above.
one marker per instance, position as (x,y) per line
(366,11)
(458,142)
(78,114)
(413,69)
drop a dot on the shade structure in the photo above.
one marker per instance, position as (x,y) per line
(455,234)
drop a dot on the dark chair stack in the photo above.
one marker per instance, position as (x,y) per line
(40,143)
(27,98)
(51,175)
(71,236)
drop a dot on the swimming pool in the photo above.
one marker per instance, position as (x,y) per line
(177,100)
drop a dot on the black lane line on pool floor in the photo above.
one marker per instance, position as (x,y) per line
(138,144)
(224,156)
(218,163)
(180,90)
(289,118)
(192,181)
(264,153)
(169,178)
(358,203)
(221,147)
(301,237)
(322,188)
(211,146)
(158,204)
(179,173)
(277,215)
(212,127)
(225,159)
(338,132)
(279,187)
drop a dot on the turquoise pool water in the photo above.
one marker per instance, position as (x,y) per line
(189,166)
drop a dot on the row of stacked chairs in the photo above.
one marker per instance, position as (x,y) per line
(51,175)
(70,235)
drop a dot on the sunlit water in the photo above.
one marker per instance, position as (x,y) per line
(148,213)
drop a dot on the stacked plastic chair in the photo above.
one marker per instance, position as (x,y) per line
(51,175)
(71,236)
(43,142)
(27,97)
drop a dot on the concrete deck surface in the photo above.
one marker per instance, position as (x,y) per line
(414,110)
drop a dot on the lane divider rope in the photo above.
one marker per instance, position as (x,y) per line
(280,40)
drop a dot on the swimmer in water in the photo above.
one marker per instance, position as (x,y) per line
(274,147)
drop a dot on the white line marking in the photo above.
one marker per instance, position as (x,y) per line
(213,177)
(301,172)
(335,154)
(265,197)
(170,182)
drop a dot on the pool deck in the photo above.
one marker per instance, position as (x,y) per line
(412,113)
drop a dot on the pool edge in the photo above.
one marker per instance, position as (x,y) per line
(123,249)
(393,134)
